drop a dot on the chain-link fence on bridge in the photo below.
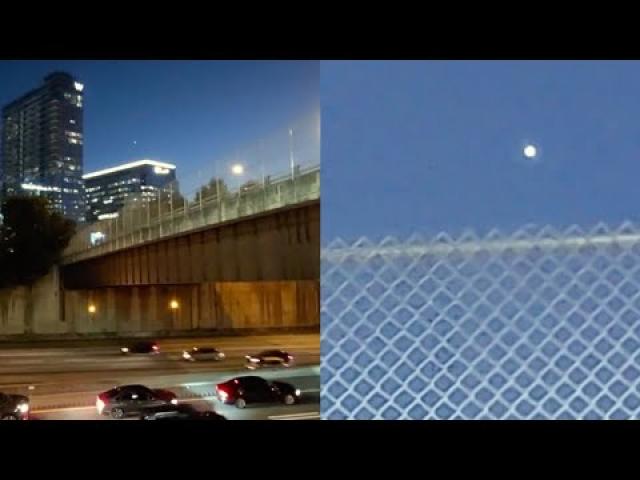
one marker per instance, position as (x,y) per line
(275,171)
(538,324)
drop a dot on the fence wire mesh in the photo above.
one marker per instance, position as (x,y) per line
(536,324)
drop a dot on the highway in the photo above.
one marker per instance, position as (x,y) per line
(63,380)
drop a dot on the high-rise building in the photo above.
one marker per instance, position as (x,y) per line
(42,145)
(140,181)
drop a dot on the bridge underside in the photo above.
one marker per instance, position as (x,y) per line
(256,272)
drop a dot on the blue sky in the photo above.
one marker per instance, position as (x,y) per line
(191,113)
(434,146)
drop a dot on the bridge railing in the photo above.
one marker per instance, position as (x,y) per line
(273,171)
(150,221)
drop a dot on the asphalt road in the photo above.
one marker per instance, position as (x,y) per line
(62,382)
(307,409)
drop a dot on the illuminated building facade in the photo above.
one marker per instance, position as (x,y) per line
(140,181)
(42,145)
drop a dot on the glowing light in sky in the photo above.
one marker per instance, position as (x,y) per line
(530,151)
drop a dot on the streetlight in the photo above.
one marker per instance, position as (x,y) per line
(91,308)
(174,305)
(237,169)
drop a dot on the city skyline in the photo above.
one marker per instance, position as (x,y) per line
(192,114)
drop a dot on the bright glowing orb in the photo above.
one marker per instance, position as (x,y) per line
(530,151)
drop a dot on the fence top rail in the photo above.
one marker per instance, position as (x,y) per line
(363,249)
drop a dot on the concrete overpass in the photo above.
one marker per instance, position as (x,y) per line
(280,244)
(248,260)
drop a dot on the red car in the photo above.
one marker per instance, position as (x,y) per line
(241,391)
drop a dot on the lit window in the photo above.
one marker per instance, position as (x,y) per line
(78,86)
(72,121)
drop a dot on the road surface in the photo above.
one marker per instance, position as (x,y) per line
(62,382)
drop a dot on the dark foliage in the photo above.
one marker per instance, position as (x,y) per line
(32,239)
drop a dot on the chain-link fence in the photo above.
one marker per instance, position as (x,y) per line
(537,324)
(278,170)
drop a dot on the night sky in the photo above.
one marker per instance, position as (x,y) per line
(430,146)
(199,115)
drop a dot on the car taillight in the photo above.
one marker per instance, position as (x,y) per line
(222,392)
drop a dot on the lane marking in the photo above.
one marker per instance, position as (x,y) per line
(64,409)
(296,416)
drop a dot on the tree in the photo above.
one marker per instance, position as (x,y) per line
(32,239)
(210,190)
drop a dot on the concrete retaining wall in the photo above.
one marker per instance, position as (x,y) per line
(147,309)
(32,310)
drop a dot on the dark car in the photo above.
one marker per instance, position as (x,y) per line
(13,407)
(132,399)
(202,354)
(269,358)
(242,391)
(145,347)
(178,412)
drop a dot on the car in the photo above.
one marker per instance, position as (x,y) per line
(202,354)
(178,412)
(132,399)
(241,391)
(144,347)
(269,358)
(14,407)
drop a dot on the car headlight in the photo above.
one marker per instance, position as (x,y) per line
(297,392)
(186,355)
(221,355)
(254,360)
(174,401)
(23,407)
(124,349)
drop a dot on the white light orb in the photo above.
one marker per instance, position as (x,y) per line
(530,151)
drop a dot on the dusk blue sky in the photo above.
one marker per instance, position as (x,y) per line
(189,113)
(429,146)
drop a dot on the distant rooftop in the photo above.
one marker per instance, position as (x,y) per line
(127,166)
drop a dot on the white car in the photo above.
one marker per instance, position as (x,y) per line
(269,358)
(202,354)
